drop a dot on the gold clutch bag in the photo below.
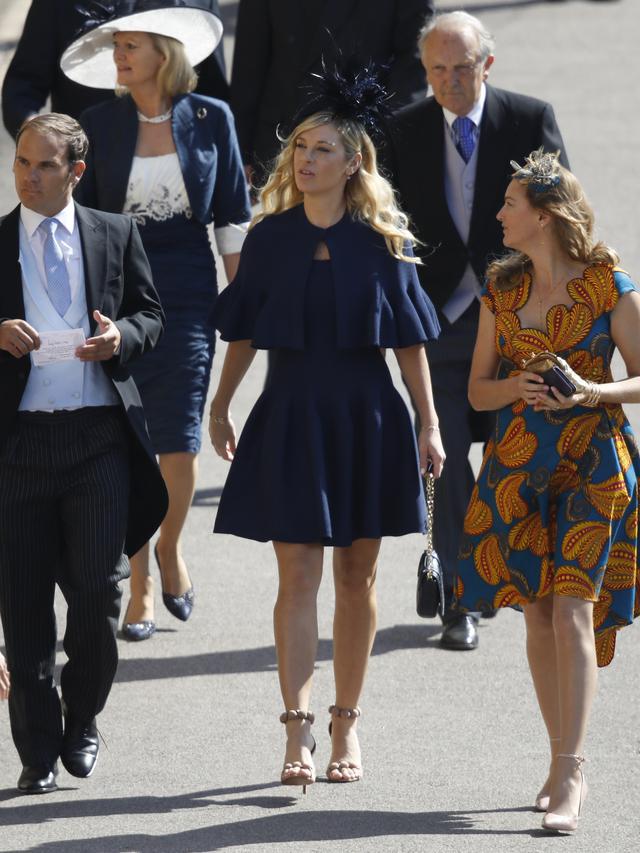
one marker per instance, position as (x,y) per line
(549,366)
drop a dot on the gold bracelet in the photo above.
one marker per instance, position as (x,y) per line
(218,419)
(430,429)
(592,398)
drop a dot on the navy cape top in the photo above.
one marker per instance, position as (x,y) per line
(379,301)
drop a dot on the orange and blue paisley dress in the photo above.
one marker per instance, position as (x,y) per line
(555,507)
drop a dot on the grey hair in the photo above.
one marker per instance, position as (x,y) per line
(459,21)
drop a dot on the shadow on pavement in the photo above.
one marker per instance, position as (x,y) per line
(298,826)
(206,497)
(262,659)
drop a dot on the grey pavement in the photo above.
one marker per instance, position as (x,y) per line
(453,746)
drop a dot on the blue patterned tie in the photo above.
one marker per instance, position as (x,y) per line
(465,142)
(55,268)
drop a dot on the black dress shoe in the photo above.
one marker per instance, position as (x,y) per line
(180,606)
(80,746)
(38,780)
(460,633)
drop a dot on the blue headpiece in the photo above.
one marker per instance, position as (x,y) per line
(352,91)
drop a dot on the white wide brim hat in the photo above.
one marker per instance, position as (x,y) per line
(89,59)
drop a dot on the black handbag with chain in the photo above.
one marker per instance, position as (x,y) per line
(430,591)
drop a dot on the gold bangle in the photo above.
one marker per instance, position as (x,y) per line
(592,398)
(430,429)
(218,419)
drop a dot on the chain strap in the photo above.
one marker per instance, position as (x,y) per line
(429,494)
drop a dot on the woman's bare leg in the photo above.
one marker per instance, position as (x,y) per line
(140,606)
(541,655)
(179,471)
(295,626)
(577,670)
(354,628)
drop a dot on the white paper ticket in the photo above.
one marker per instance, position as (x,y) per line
(57,346)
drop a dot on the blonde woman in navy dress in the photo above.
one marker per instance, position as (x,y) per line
(328,455)
(171,160)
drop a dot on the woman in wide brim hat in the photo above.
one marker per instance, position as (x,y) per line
(170,159)
(89,59)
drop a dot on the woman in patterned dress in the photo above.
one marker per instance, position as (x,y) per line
(552,524)
(170,159)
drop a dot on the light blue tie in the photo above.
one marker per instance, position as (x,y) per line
(55,268)
(465,140)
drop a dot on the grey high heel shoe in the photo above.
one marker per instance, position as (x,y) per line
(567,823)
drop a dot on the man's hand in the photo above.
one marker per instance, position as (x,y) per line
(18,338)
(104,346)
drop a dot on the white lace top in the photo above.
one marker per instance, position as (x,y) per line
(156,192)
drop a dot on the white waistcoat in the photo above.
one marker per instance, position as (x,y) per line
(68,384)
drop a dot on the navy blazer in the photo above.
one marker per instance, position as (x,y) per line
(118,283)
(512,126)
(207,148)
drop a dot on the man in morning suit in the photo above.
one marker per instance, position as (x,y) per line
(279,43)
(79,484)
(35,74)
(449,158)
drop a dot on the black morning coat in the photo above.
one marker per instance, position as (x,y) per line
(512,126)
(118,283)
(280,43)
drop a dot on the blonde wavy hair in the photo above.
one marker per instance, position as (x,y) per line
(572,221)
(369,196)
(176,76)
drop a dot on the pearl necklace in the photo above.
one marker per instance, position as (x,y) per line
(155,119)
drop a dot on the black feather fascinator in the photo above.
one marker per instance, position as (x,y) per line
(350,90)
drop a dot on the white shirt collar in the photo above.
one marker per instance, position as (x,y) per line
(475,114)
(31,220)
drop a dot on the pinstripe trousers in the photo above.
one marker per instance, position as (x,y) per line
(64,493)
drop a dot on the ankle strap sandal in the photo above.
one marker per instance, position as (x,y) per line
(298,714)
(298,772)
(336,711)
(347,771)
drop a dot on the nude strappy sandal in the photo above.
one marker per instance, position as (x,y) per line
(336,711)
(299,776)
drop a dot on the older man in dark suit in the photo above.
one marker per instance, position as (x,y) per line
(34,73)
(279,43)
(449,159)
(79,484)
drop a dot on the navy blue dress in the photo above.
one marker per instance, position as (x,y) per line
(328,453)
(173,381)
